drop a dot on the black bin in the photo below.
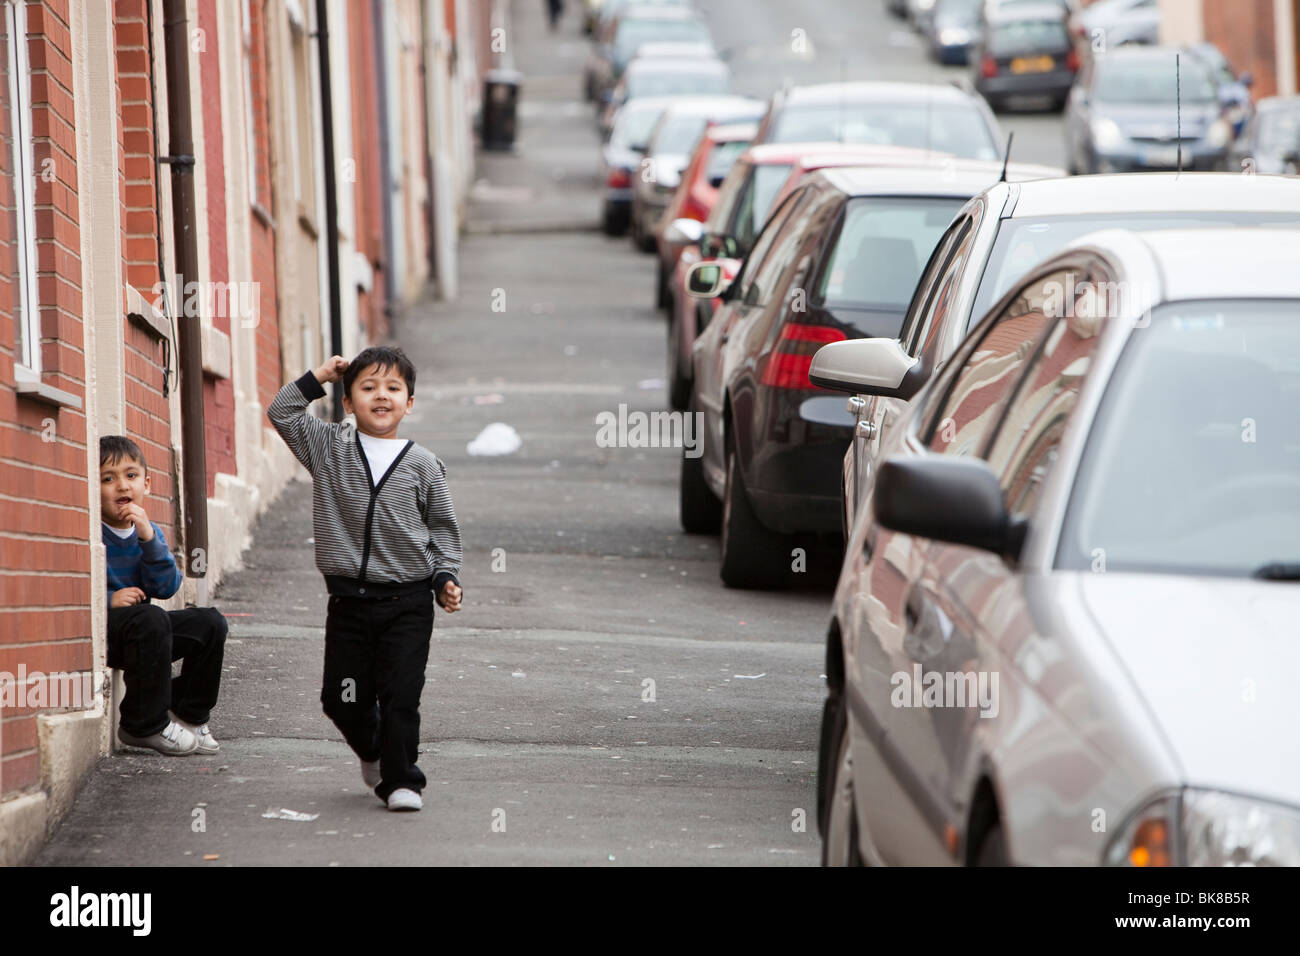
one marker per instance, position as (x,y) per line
(500,108)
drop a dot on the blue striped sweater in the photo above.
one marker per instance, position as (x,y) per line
(147,565)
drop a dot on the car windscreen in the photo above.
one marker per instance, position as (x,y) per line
(1278,132)
(1022,244)
(634,124)
(675,83)
(632,33)
(1193,462)
(1154,81)
(1026,36)
(721,159)
(879,253)
(959,130)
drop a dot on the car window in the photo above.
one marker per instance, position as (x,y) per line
(992,366)
(808,231)
(771,261)
(913,325)
(959,129)
(946,293)
(756,202)
(755,257)
(1029,436)
(729,194)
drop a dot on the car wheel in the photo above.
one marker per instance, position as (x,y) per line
(679,384)
(752,555)
(840,839)
(613,222)
(700,510)
(993,850)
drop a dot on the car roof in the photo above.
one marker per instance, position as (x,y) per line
(910,180)
(1248,263)
(787,154)
(648,104)
(1157,192)
(875,92)
(708,105)
(731,132)
(1028,11)
(664,64)
(656,48)
(640,11)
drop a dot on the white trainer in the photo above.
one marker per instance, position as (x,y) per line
(207,743)
(403,799)
(173,740)
(370,773)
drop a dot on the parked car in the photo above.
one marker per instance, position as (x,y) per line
(920,115)
(671,142)
(714,155)
(621,158)
(1072,566)
(1123,114)
(661,76)
(1234,89)
(918,13)
(837,260)
(1025,50)
(590,15)
(995,239)
(1108,24)
(951,29)
(629,27)
(1271,142)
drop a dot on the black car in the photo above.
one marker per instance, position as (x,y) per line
(838,259)
(1025,51)
(1270,144)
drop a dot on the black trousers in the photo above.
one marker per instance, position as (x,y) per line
(143,640)
(375,654)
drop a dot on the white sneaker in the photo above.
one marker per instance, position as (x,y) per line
(173,740)
(207,743)
(403,799)
(370,773)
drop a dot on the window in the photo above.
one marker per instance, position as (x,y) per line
(779,242)
(917,310)
(300,109)
(17,191)
(977,394)
(755,257)
(755,202)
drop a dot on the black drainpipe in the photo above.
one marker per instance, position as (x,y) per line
(185,236)
(331,197)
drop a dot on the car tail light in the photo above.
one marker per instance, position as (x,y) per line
(1072,61)
(989,68)
(618,178)
(692,208)
(788,364)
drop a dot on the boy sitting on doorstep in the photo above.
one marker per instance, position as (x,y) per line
(159,712)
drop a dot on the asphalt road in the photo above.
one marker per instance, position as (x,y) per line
(602,698)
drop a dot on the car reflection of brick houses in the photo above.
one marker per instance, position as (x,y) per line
(1259,37)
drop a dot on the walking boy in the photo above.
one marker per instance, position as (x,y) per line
(159,712)
(387,541)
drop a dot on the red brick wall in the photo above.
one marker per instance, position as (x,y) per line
(218,393)
(1244,31)
(366,168)
(269,372)
(44,606)
(148,416)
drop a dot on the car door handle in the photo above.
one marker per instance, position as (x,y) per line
(856,404)
(867,430)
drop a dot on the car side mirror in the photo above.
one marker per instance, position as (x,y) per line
(946,498)
(683,231)
(876,366)
(716,246)
(706,280)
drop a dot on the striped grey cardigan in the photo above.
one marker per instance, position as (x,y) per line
(372,539)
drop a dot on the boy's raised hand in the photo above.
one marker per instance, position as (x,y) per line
(140,518)
(449,597)
(331,370)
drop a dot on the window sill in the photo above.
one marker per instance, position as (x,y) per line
(263,215)
(30,386)
(141,313)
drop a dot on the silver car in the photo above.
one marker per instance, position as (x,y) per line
(1002,233)
(1064,633)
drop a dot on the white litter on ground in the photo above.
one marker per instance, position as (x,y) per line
(749,676)
(497,439)
(294,815)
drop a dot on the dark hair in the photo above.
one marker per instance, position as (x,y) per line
(113,448)
(385,357)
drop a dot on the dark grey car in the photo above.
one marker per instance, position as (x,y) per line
(1131,108)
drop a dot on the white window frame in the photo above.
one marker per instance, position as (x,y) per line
(250,157)
(28,364)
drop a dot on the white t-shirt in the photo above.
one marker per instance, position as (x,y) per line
(380,453)
(121,532)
